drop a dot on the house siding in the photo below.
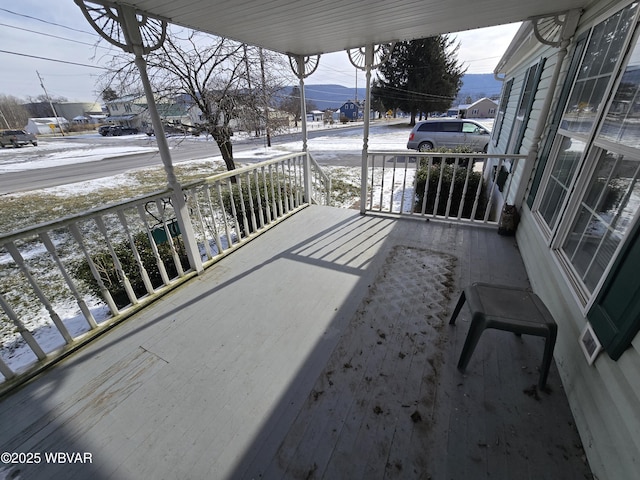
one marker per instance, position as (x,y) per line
(522,173)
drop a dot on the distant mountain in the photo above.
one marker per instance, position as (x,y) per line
(331,96)
(327,95)
(479,85)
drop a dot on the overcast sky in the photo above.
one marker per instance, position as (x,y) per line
(57,30)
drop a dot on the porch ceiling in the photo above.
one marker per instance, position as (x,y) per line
(310,27)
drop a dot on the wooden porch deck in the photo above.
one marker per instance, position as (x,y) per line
(319,350)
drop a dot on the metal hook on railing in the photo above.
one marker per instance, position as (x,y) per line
(165,202)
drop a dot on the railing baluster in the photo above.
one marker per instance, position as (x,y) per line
(476,198)
(470,163)
(46,240)
(269,201)
(116,262)
(22,330)
(439,188)
(285,183)
(299,181)
(426,184)
(404,183)
(212,224)
(243,209)
(493,189)
(224,214)
(136,255)
(172,246)
(393,183)
(17,257)
(6,371)
(154,248)
(254,225)
(452,187)
(415,188)
(234,211)
(279,190)
(384,176)
(106,295)
(512,168)
(256,178)
(194,205)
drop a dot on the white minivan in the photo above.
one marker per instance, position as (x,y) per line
(453,133)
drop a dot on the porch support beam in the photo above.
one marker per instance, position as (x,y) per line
(303,67)
(134,42)
(368,55)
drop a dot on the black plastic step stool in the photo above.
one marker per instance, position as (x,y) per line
(506,308)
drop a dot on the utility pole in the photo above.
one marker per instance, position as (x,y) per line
(46,94)
(264,99)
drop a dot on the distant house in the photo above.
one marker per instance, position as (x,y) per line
(131,111)
(315,116)
(46,125)
(127,110)
(350,110)
(483,108)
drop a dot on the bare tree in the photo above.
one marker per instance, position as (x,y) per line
(222,79)
(292,104)
(14,114)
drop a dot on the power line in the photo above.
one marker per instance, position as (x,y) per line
(55,36)
(53,60)
(47,22)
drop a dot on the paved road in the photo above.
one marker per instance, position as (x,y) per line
(11,182)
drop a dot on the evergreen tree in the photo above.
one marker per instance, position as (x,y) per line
(420,76)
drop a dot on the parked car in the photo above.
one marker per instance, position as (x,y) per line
(17,138)
(104,130)
(171,129)
(431,134)
(117,130)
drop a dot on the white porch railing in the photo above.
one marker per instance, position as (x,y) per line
(63,282)
(457,187)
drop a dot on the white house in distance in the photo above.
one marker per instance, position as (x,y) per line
(47,125)
(131,111)
(482,108)
(570,101)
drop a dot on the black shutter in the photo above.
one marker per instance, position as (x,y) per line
(615,316)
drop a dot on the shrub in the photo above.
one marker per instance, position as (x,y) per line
(105,266)
(280,187)
(433,172)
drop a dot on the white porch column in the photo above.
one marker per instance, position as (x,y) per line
(303,102)
(303,67)
(303,114)
(177,199)
(102,18)
(368,54)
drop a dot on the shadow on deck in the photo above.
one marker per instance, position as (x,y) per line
(319,350)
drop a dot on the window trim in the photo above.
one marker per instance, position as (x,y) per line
(552,130)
